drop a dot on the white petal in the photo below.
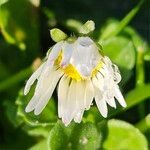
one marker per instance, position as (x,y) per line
(32,79)
(80,95)
(48,93)
(111,102)
(101,102)
(67,53)
(54,53)
(119,97)
(62,94)
(89,94)
(98,83)
(42,85)
(117,77)
(71,104)
(102,106)
(78,116)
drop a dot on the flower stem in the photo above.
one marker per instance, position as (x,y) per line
(22,75)
(144,124)
(140,75)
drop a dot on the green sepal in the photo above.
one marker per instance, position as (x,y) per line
(57,35)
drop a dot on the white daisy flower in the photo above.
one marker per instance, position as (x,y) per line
(82,74)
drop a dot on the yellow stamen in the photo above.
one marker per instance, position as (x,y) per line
(72,72)
(96,69)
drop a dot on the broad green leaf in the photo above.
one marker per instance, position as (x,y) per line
(59,137)
(86,137)
(110,25)
(147,56)
(11,112)
(19,25)
(121,51)
(42,145)
(137,95)
(124,136)
(144,124)
(47,118)
(74,137)
(3,2)
(37,131)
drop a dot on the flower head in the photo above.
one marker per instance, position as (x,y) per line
(82,74)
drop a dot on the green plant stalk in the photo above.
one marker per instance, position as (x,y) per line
(140,76)
(144,124)
(22,75)
(124,22)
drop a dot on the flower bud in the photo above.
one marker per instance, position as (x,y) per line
(57,35)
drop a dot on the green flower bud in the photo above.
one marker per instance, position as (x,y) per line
(57,35)
(88,27)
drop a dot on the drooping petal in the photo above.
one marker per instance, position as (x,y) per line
(48,93)
(117,76)
(32,79)
(102,106)
(89,93)
(111,102)
(98,83)
(119,96)
(78,116)
(62,94)
(67,53)
(54,53)
(71,104)
(100,100)
(42,85)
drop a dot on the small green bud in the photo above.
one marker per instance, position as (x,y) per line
(88,27)
(57,35)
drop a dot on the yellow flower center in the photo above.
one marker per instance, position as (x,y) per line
(73,73)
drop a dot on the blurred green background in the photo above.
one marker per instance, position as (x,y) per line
(123,30)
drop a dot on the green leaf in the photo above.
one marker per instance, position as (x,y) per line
(147,56)
(59,137)
(86,137)
(110,25)
(47,118)
(76,136)
(3,2)
(11,112)
(37,131)
(124,136)
(144,124)
(137,95)
(42,145)
(20,28)
(121,51)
